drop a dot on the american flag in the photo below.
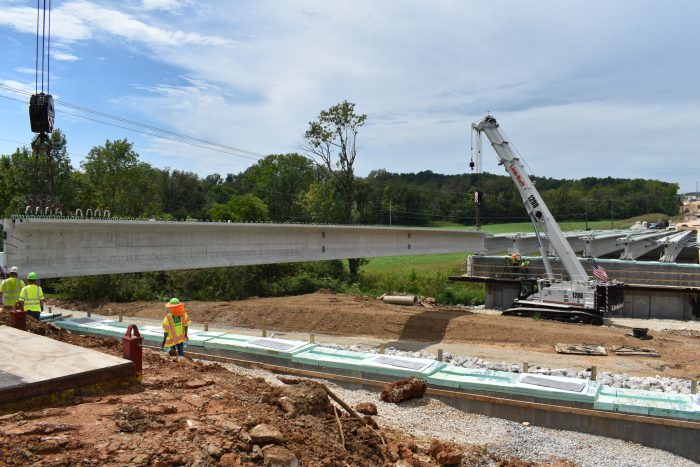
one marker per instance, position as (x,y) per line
(599,272)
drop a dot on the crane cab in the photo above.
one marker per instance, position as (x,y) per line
(528,287)
(41,113)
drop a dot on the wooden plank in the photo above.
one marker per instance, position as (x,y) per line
(580,349)
(632,351)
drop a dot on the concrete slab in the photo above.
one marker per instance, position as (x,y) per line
(34,366)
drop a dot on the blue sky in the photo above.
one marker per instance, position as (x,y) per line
(582,88)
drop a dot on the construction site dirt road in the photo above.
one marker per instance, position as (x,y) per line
(348,319)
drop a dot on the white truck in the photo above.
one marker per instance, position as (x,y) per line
(575,298)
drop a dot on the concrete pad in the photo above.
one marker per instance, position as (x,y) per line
(34,365)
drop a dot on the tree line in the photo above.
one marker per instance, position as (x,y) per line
(293,188)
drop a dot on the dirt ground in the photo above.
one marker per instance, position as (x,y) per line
(193,413)
(510,339)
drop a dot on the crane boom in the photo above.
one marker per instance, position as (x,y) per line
(535,205)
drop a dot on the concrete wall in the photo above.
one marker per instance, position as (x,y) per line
(72,247)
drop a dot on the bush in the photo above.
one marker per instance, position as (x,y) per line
(206,284)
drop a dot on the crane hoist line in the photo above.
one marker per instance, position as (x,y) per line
(578,298)
(42,198)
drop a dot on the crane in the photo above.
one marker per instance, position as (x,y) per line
(575,298)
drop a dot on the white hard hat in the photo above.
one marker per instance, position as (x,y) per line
(14,269)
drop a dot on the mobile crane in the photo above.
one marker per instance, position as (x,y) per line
(575,298)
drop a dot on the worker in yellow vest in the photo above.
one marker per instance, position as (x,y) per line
(32,296)
(11,287)
(175,326)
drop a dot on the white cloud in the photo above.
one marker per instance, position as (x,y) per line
(81,20)
(165,4)
(26,87)
(64,57)
(25,70)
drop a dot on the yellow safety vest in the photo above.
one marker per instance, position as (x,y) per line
(173,327)
(32,295)
(11,288)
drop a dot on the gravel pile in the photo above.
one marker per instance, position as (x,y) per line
(431,418)
(650,383)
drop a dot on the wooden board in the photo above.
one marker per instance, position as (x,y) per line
(632,351)
(580,349)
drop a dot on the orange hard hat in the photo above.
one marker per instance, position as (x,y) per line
(176,307)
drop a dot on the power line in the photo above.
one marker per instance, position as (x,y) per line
(147,133)
(232,150)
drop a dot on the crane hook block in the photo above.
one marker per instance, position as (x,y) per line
(41,113)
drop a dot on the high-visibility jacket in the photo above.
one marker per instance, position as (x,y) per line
(11,288)
(174,328)
(32,295)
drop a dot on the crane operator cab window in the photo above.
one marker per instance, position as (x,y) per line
(41,113)
(527,288)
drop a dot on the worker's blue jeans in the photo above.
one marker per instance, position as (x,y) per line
(34,314)
(180,349)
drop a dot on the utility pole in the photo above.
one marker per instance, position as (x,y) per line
(478,195)
(389,211)
(587,200)
(612,214)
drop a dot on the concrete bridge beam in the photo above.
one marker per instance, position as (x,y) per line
(79,247)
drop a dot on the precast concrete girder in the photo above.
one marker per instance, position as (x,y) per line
(512,243)
(580,241)
(601,244)
(498,244)
(673,245)
(575,240)
(526,244)
(80,247)
(639,244)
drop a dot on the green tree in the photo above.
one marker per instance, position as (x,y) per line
(240,208)
(115,179)
(181,193)
(280,180)
(332,141)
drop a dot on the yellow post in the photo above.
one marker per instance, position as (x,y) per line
(439,357)
(312,338)
(526,367)
(121,317)
(206,326)
(594,373)
(381,347)
(694,386)
(264,327)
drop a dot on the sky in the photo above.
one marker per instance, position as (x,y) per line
(582,88)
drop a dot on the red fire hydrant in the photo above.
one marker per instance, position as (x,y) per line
(18,317)
(133,350)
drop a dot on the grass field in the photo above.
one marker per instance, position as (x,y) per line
(451,263)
